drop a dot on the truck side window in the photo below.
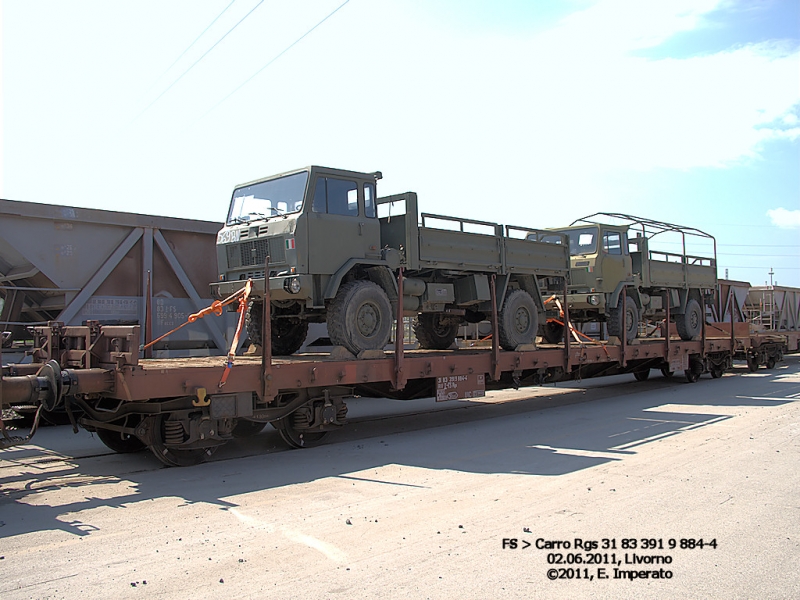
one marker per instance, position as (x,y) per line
(369,200)
(612,243)
(336,197)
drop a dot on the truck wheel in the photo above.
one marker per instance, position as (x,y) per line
(615,324)
(553,332)
(690,324)
(519,320)
(252,321)
(360,317)
(435,331)
(287,334)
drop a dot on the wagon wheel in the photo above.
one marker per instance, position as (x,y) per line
(641,375)
(297,438)
(244,428)
(124,443)
(716,372)
(160,429)
(666,372)
(752,363)
(694,371)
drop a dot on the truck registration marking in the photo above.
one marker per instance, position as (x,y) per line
(227,236)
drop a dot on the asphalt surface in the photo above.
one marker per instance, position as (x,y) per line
(425,500)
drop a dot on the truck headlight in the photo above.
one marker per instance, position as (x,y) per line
(593,300)
(292,285)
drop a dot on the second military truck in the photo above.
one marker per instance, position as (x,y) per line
(333,260)
(618,279)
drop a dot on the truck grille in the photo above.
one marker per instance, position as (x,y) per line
(255,252)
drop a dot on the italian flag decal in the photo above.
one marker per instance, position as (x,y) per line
(290,244)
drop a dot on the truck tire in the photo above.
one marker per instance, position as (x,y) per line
(435,331)
(552,332)
(519,320)
(690,324)
(615,324)
(287,336)
(252,321)
(360,317)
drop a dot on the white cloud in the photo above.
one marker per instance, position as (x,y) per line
(785,219)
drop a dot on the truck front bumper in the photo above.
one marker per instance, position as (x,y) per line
(581,301)
(280,288)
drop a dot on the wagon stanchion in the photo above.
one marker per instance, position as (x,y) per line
(733,337)
(567,328)
(624,337)
(399,337)
(667,332)
(148,320)
(266,337)
(495,329)
(703,334)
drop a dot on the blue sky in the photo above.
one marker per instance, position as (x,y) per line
(526,113)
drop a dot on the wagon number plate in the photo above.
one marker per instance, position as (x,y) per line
(456,387)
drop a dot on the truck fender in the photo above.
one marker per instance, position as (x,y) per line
(684,296)
(683,299)
(530,284)
(501,286)
(375,267)
(613,299)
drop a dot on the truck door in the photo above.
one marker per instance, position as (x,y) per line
(616,260)
(338,227)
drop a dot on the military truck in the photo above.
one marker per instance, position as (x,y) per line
(332,259)
(611,259)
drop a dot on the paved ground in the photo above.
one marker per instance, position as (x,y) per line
(419,505)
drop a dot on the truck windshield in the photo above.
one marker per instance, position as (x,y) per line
(267,199)
(582,241)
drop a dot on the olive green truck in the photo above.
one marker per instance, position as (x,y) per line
(613,264)
(334,259)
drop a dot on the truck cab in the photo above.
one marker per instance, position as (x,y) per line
(600,265)
(284,217)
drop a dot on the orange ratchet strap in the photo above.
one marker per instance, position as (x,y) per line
(215,308)
(242,312)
